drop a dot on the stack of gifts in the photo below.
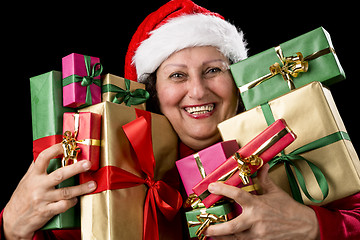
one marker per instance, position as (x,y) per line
(316,168)
(320,160)
(227,163)
(133,152)
(295,128)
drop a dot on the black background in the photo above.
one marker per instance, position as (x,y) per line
(35,38)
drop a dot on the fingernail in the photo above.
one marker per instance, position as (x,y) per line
(86,165)
(91,185)
(212,187)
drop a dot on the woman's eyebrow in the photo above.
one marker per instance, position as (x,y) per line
(214,60)
(175,65)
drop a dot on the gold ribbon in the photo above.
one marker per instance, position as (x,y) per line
(199,165)
(253,161)
(289,68)
(69,143)
(204,221)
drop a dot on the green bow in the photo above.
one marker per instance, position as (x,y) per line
(135,97)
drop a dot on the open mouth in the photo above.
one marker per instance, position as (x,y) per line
(203,109)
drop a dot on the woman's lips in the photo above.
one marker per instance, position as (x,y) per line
(200,111)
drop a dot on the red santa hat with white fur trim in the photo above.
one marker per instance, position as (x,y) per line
(177,25)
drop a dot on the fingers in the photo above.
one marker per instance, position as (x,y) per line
(42,161)
(61,206)
(236,225)
(68,193)
(240,196)
(60,174)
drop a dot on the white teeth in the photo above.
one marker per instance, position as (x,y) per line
(200,109)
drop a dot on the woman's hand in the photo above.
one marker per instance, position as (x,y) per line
(273,215)
(35,200)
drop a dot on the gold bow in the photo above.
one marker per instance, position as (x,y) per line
(71,150)
(291,66)
(69,144)
(204,220)
(245,166)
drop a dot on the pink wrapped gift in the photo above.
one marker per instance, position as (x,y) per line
(81,80)
(195,167)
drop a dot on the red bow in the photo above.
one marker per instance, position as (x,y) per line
(159,194)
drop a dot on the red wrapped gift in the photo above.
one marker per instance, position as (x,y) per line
(246,161)
(81,138)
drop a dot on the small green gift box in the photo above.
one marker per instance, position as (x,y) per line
(199,220)
(274,72)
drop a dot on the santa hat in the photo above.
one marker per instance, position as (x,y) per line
(177,25)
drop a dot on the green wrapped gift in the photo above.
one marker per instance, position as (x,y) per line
(47,126)
(274,72)
(199,219)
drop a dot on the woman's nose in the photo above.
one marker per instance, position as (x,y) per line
(197,87)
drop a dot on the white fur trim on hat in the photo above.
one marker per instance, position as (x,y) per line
(188,31)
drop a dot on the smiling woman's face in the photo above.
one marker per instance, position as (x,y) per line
(196,92)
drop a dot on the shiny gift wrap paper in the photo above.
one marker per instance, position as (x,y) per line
(318,57)
(81,80)
(123,91)
(312,114)
(259,150)
(195,167)
(119,213)
(47,124)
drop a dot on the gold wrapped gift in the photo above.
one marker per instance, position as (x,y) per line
(118,214)
(123,91)
(311,113)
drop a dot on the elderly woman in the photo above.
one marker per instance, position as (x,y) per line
(183,52)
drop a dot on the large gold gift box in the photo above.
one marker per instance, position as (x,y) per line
(118,214)
(311,113)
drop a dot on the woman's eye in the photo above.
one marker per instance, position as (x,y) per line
(177,76)
(212,72)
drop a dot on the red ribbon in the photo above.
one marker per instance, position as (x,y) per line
(159,194)
(43,143)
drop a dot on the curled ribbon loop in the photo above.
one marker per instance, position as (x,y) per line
(291,67)
(71,150)
(247,166)
(204,221)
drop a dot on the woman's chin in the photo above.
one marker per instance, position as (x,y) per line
(200,141)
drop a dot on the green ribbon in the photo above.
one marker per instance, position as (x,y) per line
(87,80)
(288,160)
(135,97)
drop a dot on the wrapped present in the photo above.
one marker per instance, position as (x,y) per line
(199,220)
(247,160)
(322,151)
(47,125)
(307,58)
(81,138)
(123,91)
(195,167)
(81,80)
(135,196)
